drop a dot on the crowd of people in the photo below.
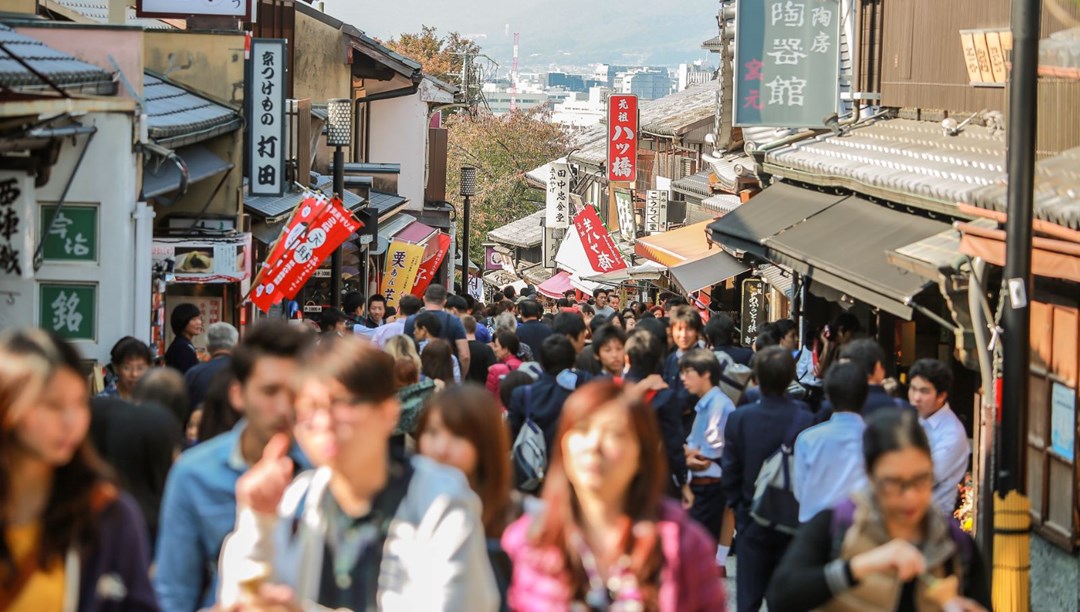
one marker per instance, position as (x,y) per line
(444,454)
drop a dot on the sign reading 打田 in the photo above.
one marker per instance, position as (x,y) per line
(558,196)
(622,131)
(787,58)
(265,101)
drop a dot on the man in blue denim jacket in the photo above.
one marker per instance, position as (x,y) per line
(199,506)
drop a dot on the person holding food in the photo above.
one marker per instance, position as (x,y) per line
(186,322)
(888,548)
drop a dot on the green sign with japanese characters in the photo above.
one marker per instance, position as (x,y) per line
(787,62)
(72,235)
(68,309)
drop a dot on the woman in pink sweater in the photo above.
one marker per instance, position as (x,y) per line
(607,539)
(506,347)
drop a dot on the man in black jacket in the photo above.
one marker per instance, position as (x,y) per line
(753,433)
(543,400)
(868,355)
(531,331)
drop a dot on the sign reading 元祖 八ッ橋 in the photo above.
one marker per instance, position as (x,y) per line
(787,58)
(622,131)
(265,100)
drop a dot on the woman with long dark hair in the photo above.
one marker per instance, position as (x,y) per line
(70,539)
(437,361)
(607,539)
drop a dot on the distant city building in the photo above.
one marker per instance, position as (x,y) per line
(529,95)
(582,110)
(689,75)
(605,73)
(645,83)
(569,82)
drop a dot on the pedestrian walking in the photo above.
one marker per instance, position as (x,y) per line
(506,348)
(574,327)
(481,355)
(542,402)
(870,357)
(887,548)
(928,390)
(531,331)
(164,387)
(221,339)
(129,360)
(686,327)
(606,538)
(437,361)
(186,323)
(449,328)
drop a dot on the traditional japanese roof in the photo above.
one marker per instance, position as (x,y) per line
(61,69)
(1057,191)
(680,112)
(524,233)
(98,11)
(713,44)
(178,115)
(907,161)
(695,185)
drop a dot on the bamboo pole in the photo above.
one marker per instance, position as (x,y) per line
(1012,553)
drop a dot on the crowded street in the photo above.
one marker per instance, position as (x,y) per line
(690,306)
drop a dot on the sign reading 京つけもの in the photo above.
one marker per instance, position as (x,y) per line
(402,264)
(624,204)
(68,309)
(265,98)
(599,247)
(754,311)
(622,133)
(72,233)
(656,203)
(787,58)
(558,195)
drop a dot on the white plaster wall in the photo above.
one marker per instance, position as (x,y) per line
(107,177)
(398,135)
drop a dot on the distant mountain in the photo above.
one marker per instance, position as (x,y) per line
(553,32)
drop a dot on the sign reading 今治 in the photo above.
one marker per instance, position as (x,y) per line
(787,61)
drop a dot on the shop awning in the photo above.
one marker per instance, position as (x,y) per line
(707,271)
(845,247)
(161,176)
(556,286)
(649,270)
(388,230)
(1050,257)
(770,212)
(676,246)
(780,278)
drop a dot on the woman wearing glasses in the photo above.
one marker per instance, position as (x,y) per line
(888,548)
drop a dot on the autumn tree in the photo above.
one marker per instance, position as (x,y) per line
(440,56)
(502,148)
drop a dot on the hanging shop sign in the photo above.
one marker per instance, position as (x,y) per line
(72,233)
(221,260)
(656,205)
(622,137)
(624,204)
(779,44)
(494,259)
(429,267)
(599,247)
(264,96)
(553,239)
(754,311)
(69,310)
(402,265)
(558,195)
(179,9)
(1063,421)
(16,240)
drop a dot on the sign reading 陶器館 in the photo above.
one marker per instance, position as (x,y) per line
(787,57)
(264,99)
(656,204)
(754,310)
(622,138)
(599,247)
(558,196)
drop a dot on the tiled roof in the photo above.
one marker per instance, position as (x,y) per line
(325,184)
(730,168)
(63,70)
(98,10)
(675,114)
(697,184)
(525,233)
(903,160)
(178,115)
(713,43)
(1057,191)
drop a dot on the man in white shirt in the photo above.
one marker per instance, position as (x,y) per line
(928,392)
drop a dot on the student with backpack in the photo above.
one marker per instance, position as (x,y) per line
(761,435)
(887,548)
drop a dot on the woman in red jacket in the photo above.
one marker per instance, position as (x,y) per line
(506,346)
(607,538)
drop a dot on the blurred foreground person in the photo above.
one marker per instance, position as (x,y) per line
(367,529)
(887,548)
(607,539)
(71,539)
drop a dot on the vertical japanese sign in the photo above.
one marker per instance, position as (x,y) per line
(599,247)
(16,243)
(402,264)
(265,100)
(69,310)
(656,211)
(754,309)
(553,238)
(787,54)
(622,127)
(558,195)
(624,204)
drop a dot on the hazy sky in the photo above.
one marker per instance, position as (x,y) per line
(553,32)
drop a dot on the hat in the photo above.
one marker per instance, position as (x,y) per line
(181,316)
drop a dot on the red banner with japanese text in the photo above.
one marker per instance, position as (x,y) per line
(622,132)
(316,228)
(599,247)
(430,266)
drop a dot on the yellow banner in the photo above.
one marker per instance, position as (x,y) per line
(402,264)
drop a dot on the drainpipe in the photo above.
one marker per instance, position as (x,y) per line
(983,498)
(143,218)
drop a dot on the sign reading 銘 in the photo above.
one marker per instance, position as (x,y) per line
(402,264)
(69,310)
(622,131)
(656,211)
(599,247)
(754,309)
(787,58)
(265,100)
(558,195)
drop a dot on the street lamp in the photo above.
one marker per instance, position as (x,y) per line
(338,135)
(468,189)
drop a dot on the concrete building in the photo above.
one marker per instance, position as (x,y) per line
(645,83)
(582,110)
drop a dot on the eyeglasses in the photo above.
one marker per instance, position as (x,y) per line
(341,410)
(133,369)
(897,486)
